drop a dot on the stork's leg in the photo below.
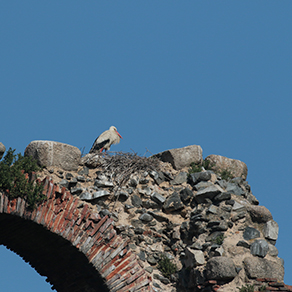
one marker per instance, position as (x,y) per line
(101,150)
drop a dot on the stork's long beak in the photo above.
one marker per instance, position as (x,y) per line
(119,134)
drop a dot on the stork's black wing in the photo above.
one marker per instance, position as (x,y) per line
(97,146)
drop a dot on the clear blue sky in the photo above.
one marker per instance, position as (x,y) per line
(167,74)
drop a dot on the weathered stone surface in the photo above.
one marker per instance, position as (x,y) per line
(273,251)
(235,189)
(199,176)
(173,203)
(146,217)
(193,258)
(186,194)
(259,248)
(91,160)
(220,268)
(50,153)
(2,149)
(180,178)
(271,230)
(256,267)
(250,233)
(84,171)
(237,167)
(207,193)
(103,183)
(156,197)
(223,197)
(136,201)
(76,191)
(243,244)
(64,183)
(182,157)
(122,196)
(259,214)
(158,216)
(95,195)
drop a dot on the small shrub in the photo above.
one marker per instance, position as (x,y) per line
(195,168)
(263,288)
(247,288)
(219,239)
(226,174)
(166,267)
(207,165)
(12,178)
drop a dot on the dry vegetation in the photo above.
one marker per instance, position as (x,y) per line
(123,164)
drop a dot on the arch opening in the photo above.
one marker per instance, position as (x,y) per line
(65,267)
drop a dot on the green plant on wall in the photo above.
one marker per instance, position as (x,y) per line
(247,288)
(166,266)
(207,165)
(219,239)
(226,174)
(13,181)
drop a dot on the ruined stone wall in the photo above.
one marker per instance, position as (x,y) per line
(207,222)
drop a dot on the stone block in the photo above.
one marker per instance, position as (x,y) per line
(256,267)
(259,214)
(193,258)
(259,248)
(173,203)
(182,157)
(271,230)
(207,193)
(220,268)
(50,153)
(236,167)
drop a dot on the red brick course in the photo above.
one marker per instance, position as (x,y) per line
(88,231)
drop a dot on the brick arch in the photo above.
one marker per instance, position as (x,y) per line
(65,240)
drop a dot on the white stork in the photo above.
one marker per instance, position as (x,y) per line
(105,140)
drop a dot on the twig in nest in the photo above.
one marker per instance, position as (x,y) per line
(123,165)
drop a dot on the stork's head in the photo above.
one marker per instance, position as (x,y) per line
(113,128)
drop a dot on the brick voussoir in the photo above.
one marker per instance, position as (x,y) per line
(18,204)
(34,213)
(50,189)
(78,232)
(107,269)
(108,252)
(73,207)
(127,281)
(108,222)
(5,203)
(1,202)
(87,245)
(114,264)
(83,213)
(120,266)
(103,249)
(45,183)
(97,226)
(95,247)
(83,238)
(60,226)
(21,207)
(56,222)
(143,281)
(124,271)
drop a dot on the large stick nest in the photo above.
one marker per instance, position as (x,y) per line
(124,164)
